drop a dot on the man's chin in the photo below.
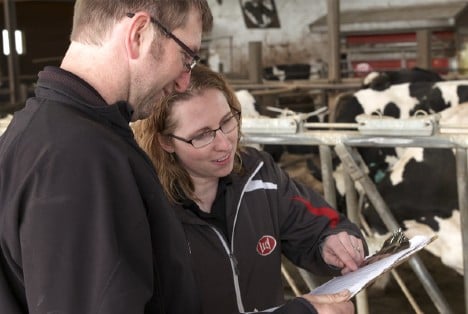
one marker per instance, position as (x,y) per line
(145,111)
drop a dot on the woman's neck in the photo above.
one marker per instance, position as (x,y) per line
(205,191)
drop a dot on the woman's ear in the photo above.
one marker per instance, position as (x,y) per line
(166,143)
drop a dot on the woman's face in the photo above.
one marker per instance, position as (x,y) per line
(204,112)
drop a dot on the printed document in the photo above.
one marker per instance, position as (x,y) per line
(359,279)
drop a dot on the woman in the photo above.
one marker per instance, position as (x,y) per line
(240,211)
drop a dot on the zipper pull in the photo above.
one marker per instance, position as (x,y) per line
(235,263)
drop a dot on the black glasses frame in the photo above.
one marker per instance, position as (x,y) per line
(195,58)
(236,116)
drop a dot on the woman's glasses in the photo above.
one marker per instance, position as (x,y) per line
(205,138)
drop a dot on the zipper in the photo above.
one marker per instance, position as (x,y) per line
(235,263)
(230,252)
(234,224)
(234,267)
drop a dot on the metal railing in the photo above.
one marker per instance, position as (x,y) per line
(344,143)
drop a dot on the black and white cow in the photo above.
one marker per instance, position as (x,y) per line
(418,185)
(284,72)
(420,189)
(402,100)
(398,101)
(296,71)
(383,80)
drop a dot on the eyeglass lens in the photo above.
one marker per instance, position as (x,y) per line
(206,138)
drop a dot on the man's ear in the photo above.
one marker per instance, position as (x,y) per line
(140,31)
(166,143)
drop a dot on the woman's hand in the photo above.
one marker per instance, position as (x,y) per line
(343,251)
(337,303)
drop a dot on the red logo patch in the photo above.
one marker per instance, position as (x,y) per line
(266,245)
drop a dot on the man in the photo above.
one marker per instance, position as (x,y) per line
(84,225)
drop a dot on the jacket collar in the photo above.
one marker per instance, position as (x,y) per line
(56,84)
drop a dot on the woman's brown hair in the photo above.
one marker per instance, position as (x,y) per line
(175,180)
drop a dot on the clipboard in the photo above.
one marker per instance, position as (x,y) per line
(361,278)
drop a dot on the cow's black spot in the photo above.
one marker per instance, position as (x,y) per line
(420,90)
(462,93)
(435,101)
(347,109)
(380,83)
(392,110)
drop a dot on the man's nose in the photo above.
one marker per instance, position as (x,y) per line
(182,82)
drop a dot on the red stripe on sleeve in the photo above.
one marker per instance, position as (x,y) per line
(328,212)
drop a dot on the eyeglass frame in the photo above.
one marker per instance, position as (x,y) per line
(236,115)
(192,54)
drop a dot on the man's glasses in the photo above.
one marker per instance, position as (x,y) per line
(194,57)
(204,139)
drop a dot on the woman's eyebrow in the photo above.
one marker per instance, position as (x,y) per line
(227,115)
(206,128)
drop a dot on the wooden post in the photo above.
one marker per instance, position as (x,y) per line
(424,59)
(333,24)
(255,62)
(334,60)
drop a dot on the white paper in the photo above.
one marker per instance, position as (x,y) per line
(357,280)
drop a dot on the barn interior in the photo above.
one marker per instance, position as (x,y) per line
(297,64)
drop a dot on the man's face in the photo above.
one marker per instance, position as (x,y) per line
(164,67)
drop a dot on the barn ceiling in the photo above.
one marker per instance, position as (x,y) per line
(399,18)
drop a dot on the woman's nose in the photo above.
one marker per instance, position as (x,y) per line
(222,140)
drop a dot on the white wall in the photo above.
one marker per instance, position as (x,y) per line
(292,43)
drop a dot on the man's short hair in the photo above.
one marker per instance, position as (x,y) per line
(93,19)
